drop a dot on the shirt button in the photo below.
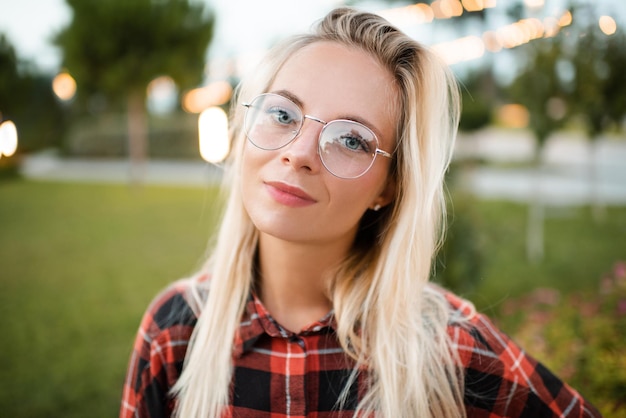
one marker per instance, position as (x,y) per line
(297,340)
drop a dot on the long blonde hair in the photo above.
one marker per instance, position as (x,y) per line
(389,320)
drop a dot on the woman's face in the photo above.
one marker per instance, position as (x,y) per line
(288,193)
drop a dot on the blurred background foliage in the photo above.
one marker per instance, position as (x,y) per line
(80,262)
(25,95)
(136,42)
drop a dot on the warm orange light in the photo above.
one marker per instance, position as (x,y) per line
(551,27)
(452,7)
(536,28)
(513,116)
(510,36)
(566,19)
(491,41)
(424,11)
(462,49)
(8,138)
(410,15)
(444,9)
(213,135)
(524,30)
(64,86)
(473,5)
(607,25)
(214,94)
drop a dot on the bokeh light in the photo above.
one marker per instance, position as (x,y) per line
(445,9)
(462,49)
(607,25)
(513,116)
(534,4)
(565,19)
(214,94)
(8,138)
(213,134)
(162,95)
(473,5)
(64,86)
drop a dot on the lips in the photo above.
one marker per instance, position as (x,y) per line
(289,195)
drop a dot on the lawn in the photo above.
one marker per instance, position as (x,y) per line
(79,265)
(80,262)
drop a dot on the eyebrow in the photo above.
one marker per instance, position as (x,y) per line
(354,118)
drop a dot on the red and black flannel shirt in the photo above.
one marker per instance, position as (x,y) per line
(281,374)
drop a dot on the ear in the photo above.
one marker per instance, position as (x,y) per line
(386,196)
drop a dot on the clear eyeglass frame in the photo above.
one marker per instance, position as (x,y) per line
(273,121)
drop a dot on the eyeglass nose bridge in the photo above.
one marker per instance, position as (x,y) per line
(313,118)
(323,122)
(297,133)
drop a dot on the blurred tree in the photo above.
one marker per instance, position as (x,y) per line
(599,91)
(479,93)
(615,87)
(540,88)
(8,70)
(116,47)
(27,99)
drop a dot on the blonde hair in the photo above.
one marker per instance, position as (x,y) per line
(389,320)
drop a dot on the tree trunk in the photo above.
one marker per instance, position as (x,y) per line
(598,209)
(536,212)
(137,136)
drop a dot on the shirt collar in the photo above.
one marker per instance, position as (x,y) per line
(257,321)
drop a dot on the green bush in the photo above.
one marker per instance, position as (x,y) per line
(459,262)
(9,167)
(580,336)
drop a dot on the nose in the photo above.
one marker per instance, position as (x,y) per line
(302,152)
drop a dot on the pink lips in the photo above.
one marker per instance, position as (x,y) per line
(289,195)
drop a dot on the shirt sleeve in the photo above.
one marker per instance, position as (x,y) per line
(158,355)
(502,380)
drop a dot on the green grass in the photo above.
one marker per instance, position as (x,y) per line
(79,264)
(578,251)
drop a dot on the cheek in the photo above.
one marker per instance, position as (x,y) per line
(352,198)
(252,160)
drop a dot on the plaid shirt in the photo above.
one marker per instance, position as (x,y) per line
(281,374)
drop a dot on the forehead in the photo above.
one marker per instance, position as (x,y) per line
(333,81)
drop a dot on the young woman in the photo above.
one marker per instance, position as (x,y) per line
(316,301)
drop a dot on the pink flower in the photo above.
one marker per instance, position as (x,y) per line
(546,296)
(606,285)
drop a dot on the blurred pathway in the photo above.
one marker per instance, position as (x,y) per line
(564,180)
(48,166)
(573,171)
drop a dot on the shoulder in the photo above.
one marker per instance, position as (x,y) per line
(473,332)
(500,376)
(159,350)
(169,309)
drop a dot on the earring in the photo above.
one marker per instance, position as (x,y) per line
(377,208)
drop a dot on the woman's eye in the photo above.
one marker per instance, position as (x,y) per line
(281,116)
(354,143)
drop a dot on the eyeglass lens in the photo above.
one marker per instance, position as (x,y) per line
(347,148)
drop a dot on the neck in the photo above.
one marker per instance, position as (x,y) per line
(294,280)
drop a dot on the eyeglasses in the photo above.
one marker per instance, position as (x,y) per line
(347,148)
